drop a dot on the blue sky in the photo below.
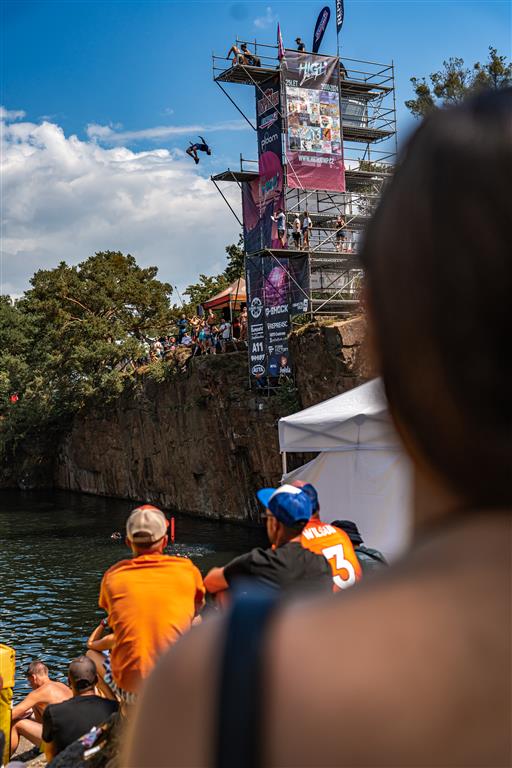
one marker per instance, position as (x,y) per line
(139,73)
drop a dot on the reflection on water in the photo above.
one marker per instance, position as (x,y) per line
(55,549)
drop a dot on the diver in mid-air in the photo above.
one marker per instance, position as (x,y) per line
(198,147)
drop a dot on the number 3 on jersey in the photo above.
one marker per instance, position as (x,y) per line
(344,574)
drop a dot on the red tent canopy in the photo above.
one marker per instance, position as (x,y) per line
(233,296)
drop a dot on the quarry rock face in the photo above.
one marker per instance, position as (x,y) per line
(201,441)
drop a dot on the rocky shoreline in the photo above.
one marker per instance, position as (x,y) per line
(199,442)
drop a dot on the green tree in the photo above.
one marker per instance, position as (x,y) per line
(16,334)
(70,338)
(236,261)
(208,285)
(454,82)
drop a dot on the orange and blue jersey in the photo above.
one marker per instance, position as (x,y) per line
(335,545)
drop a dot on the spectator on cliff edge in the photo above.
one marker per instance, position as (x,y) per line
(151,601)
(286,565)
(182,327)
(224,334)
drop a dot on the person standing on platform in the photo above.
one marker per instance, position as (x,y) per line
(296,233)
(340,233)
(307,226)
(280,220)
(301,47)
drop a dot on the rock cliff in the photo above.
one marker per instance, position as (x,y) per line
(200,442)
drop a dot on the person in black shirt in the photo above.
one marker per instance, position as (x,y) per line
(370,559)
(286,565)
(64,723)
(300,45)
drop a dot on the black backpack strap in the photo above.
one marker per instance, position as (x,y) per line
(241,685)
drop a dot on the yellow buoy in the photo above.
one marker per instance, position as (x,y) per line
(7,674)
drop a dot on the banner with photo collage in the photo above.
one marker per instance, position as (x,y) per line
(314,146)
(276,291)
(262,197)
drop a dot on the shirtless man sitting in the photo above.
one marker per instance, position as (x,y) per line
(27,716)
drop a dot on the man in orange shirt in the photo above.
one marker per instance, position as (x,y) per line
(333,543)
(151,600)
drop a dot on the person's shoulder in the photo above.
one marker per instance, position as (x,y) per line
(58,708)
(116,567)
(178,561)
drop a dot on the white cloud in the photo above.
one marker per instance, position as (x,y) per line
(262,22)
(109,134)
(11,114)
(64,199)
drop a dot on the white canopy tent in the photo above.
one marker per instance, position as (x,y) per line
(361,472)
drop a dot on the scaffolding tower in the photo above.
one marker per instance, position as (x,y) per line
(368,112)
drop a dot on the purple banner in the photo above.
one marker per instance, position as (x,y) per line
(277,289)
(262,198)
(314,145)
(270,159)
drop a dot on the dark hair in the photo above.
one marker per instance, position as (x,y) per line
(438,259)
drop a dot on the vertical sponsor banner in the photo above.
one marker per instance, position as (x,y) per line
(277,316)
(299,284)
(320,27)
(270,160)
(314,147)
(251,215)
(276,291)
(255,318)
(340,15)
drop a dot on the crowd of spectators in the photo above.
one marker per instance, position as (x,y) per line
(208,334)
(153,598)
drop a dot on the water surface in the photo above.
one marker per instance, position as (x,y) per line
(55,549)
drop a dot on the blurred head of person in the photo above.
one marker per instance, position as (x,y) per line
(437,258)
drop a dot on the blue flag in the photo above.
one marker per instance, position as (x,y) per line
(340,14)
(320,27)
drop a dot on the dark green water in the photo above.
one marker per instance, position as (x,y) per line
(55,547)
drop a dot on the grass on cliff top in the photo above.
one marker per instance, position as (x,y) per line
(322,322)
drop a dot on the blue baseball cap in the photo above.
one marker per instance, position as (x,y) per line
(310,490)
(288,504)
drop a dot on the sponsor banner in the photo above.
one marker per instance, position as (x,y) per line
(276,291)
(320,27)
(253,236)
(340,15)
(314,146)
(270,160)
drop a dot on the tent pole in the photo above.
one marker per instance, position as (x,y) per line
(284,463)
